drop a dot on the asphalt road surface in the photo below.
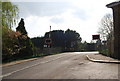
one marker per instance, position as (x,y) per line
(72,65)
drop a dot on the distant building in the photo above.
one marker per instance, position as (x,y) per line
(116,18)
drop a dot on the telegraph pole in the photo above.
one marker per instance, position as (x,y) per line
(49,39)
(50,33)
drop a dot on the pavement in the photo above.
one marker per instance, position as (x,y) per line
(102,59)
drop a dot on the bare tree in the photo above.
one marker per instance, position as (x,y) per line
(106,32)
(106,27)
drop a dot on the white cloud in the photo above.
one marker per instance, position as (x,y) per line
(36,26)
(80,15)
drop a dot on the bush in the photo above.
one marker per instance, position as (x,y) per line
(9,43)
(15,45)
(104,52)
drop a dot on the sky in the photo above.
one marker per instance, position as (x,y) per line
(82,16)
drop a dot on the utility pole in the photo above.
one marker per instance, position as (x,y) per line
(50,41)
(50,33)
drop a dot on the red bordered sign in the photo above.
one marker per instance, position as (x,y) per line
(96,37)
(48,41)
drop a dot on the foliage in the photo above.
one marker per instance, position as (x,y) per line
(21,27)
(24,41)
(72,35)
(106,31)
(15,45)
(71,39)
(57,37)
(10,43)
(82,46)
(104,52)
(67,40)
(38,42)
(9,14)
(9,37)
(106,27)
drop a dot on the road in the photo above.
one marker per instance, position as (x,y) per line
(72,65)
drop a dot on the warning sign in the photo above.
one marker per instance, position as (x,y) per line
(95,37)
(48,41)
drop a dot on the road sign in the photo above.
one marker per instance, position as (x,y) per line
(48,41)
(96,37)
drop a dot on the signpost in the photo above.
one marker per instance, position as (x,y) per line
(98,42)
(48,41)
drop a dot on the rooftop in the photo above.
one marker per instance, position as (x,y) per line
(113,4)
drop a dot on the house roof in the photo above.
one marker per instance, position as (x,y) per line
(111,5)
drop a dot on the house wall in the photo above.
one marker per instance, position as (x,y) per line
(116,18)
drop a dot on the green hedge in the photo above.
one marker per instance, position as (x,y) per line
(104,52)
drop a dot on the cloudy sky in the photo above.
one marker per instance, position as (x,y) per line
(83,16)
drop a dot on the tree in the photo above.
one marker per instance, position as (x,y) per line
(58,38)
(71,39)
(38,42)
(15,45)
(9,14)
(106,27)
(21,27)
(106,31)
(10,41)
(24,40)
(82,46)
(10,44)
(66,40)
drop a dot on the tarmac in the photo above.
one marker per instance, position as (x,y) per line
(102,59)
(17,62)
(91,57)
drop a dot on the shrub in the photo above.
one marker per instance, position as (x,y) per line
(15,45)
